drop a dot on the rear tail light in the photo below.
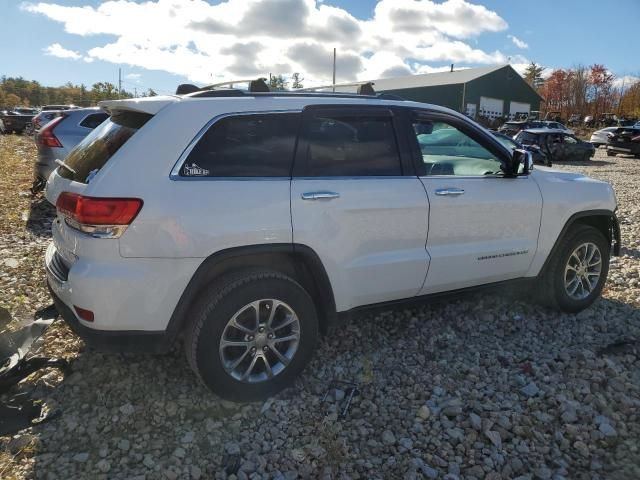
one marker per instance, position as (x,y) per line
(47,137)
(97,216)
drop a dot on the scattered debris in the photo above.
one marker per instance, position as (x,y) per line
(342,396)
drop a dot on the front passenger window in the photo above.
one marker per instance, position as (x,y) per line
(449,151)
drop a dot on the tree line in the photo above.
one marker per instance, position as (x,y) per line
(585,90)
(16,92)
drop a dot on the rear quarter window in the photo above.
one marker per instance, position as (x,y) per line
(257,145)
(95,150)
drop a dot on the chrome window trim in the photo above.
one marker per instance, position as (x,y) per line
(175,171)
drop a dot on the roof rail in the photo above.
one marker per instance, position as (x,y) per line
(259,85)
(364,88)
(255,85)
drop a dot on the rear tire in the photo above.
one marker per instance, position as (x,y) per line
(569,281)
(233,323)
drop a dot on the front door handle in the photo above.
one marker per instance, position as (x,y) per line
(320,195)
(450,191)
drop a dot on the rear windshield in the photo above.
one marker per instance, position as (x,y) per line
(95,150)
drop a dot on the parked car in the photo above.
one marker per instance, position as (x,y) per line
(512,128)
(538,155)
(48,108)
(59,136)
(44,117)
(624,140)
(556,125)
(600,137)
(15,121)
(574,120)
(558,145)
(246,222)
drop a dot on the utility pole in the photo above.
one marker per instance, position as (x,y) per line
(334,69)
(119,82)
(135,92)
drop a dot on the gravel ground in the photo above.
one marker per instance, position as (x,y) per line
(487,387)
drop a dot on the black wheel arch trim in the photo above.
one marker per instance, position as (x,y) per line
(613,234)
(305,262)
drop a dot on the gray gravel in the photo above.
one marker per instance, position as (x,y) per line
(486,387)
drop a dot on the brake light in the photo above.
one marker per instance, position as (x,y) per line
(99,217)
(47,137)
(84,314)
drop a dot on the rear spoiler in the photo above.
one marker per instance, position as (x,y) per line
(149,105)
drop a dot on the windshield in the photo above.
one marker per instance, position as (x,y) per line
(95,150)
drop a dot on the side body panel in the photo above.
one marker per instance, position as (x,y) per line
(565,194)
(371,239)
(487,234)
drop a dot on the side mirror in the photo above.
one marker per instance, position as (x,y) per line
(522,162)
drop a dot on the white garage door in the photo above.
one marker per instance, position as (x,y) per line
(491,107)
(519,107)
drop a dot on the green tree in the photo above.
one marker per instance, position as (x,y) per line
(277,82)
(151,93)
(533,75)
(296,81)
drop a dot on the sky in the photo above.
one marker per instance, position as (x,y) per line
(161,43)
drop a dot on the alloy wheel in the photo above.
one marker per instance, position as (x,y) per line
(582,271)
(260,340)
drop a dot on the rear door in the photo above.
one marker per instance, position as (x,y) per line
(573,149)
(483,226)
(356,201)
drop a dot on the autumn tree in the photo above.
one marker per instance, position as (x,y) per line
(630,101)
(601,91)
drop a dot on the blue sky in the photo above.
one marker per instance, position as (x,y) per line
(238,38)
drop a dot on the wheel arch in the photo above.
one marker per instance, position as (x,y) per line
(605,221)
(300,262)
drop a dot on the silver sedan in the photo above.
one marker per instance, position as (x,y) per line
(599,137)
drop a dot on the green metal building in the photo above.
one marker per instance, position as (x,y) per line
(491,92)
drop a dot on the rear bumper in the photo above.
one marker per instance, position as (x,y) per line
(111,340)
(132,299)
(629,148)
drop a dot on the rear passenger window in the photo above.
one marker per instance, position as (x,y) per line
(359,145)
(245,146)
(93,120)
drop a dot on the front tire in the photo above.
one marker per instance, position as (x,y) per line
(576,273)
(252,335)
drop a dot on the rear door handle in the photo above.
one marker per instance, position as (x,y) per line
(454,192)
(323,195)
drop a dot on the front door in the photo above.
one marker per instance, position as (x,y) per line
(356,204)
(483,227)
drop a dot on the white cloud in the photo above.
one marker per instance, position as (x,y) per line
(234,38)
(517,42)
(57,50)
(625,81)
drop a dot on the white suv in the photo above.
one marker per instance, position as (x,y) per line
(245,223)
